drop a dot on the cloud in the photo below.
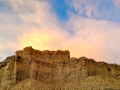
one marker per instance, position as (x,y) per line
(98,39)
(117,3)
(96,9)
(96,35)
(27,24)
(52,40)
(35,24)
(85,7)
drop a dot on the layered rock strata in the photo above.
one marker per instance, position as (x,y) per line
(51,67)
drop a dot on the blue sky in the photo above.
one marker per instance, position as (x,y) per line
(89,28)
(60,8)
(106,9)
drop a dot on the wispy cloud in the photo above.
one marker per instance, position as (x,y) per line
(97,9)
(117,3)
(25,23)
(84,7)
(95,34)
(98,39)
(89,31)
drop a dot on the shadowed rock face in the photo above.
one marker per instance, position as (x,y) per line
(51,67)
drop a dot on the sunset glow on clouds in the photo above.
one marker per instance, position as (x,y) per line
(86,28)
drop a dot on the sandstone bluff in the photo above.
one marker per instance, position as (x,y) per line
(32,69)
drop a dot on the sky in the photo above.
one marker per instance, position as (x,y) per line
(89,28)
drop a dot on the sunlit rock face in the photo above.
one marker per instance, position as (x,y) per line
(55,70)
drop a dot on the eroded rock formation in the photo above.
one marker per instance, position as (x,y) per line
(54,68)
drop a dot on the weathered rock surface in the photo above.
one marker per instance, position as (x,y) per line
(32,69)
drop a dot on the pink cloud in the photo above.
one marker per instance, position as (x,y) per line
(88,7)
(40,28)
(117,3)
(95,39)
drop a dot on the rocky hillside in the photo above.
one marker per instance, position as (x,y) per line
(32,69)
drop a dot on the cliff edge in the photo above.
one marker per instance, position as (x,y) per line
(32,69)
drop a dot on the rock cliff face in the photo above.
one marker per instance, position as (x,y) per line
(32,69)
